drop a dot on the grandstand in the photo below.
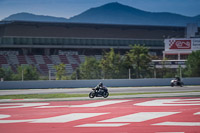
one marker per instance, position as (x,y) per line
(45,44)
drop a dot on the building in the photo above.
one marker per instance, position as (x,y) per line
(44,44)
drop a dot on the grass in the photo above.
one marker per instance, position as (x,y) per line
(42,96)
(64,95)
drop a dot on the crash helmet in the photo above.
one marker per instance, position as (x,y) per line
(100,84)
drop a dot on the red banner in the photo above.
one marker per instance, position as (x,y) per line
(180,44)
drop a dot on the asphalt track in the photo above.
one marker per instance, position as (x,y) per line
(133,115)
(111,90)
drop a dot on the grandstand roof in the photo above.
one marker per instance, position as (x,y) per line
(87,30)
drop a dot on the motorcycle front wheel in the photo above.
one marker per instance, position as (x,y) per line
(105,94)
(92,94)
(172,84)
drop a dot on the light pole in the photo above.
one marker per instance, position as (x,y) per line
(22,74)
(180,71)
(49,74)
(129,73)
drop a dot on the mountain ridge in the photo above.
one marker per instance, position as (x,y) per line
(115,13)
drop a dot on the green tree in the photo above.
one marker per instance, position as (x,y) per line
(193,64)
(139,59)
(90,69)
(2,73)
(27,72)
(112,65)
(60,72)
(6,74)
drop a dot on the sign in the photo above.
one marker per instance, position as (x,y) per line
(182,44)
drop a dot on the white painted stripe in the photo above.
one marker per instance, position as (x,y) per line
(20,105)
(15,121)
(67,118)
(53,106)
(197,113)
(169,102)
(140,117)
(178,124)
(170,132)
(4,116)
(102,103)
(103,125)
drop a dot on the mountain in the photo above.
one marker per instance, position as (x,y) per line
(32,17)
(115,13)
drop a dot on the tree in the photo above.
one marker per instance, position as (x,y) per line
(27,72)
(2,73)
(8,74)
(90,69)
(112,65)
(60,72)
(139,59)
(193,64)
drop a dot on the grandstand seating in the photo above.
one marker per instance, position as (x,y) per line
(21,59)
(31,59)
(43,63)
(44,68)
(63,59)
(55,59)
(3,60)
(47,60)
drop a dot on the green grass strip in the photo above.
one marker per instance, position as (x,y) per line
(42,96)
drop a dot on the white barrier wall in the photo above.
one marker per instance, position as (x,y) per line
(92,83)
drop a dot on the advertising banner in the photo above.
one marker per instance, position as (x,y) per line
(182,44)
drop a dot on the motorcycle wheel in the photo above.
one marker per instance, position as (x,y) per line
(92,95)
(181,84)
(105,94)
(172,85)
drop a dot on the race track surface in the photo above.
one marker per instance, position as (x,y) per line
(136,115)
(111,90)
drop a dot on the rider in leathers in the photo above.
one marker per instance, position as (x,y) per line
(99,87)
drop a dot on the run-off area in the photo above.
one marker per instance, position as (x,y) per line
(142,115)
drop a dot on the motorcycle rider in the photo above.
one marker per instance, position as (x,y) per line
(99,87)
(178,80)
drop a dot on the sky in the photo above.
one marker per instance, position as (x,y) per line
(70,8)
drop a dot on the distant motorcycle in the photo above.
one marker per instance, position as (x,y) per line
(99,93)
(176,83)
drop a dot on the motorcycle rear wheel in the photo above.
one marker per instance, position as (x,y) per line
(105,94)
(92,95)
(172,84)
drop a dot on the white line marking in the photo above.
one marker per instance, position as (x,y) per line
(178,124)
(140,117)
(170,132)
(4,116)
(103,125)
(95,104)
(67,118)
(53,106)
(170,102)
(20,105)
(15,121)
(102,103)
(197,113)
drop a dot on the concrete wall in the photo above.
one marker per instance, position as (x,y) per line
(92,83)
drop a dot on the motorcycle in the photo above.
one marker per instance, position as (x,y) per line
(176,83)
(99,93)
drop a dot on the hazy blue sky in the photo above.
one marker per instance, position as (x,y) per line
(69,8)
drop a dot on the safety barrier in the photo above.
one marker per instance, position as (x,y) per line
(92,83)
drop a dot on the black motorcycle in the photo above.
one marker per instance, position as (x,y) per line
(99,93)
(176,83)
